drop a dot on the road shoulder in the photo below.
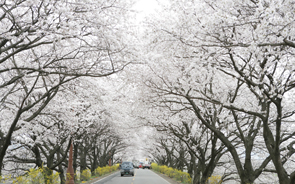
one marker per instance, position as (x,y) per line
(170,180)
(101,177)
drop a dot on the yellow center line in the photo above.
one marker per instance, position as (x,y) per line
(133,177)
(133,180)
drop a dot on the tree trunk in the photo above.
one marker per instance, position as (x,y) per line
(75,156)
(60,170)
(83,164)
(7,139)
(94,163)
(62,177)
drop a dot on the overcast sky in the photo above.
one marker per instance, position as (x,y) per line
(145,8)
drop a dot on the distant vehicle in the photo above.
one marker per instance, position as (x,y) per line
(136,165)
(126,168)
(140,166)
(146,164)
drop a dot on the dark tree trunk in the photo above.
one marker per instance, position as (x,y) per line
(83,163)
(75,157)
(60,170)
(7,139)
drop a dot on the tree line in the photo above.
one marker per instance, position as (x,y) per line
(223,91)
(48,52)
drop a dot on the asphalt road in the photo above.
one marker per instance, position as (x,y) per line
(141,176)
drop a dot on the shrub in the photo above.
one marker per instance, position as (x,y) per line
(155,167)
(36,176)
(85,175)
(5,179)
(105,170)
(98,171)
(172,173)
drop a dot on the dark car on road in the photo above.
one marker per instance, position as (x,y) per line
(126,168)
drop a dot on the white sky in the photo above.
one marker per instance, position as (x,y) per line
(145,8)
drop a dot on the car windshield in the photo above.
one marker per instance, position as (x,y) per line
(127,165)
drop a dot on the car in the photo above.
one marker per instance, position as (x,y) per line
(126,168)
(136,165)
(147,164)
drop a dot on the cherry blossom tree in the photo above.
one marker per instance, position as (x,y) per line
(238,58)
(77,113)
(45,44)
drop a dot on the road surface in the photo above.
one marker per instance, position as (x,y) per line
(141,176)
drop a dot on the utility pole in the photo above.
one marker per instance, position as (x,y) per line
(70,170)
